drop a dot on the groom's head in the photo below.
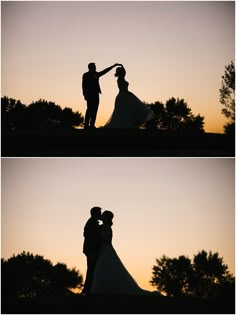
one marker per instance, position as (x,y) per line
(92,66)
(96,212)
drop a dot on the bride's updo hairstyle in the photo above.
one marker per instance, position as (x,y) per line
(120,71)
(107,216)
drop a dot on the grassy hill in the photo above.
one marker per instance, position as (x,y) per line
(111,142)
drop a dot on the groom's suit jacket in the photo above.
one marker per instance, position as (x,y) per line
(90,82)
(92,237)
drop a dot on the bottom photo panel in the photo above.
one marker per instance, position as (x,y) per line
(118,235)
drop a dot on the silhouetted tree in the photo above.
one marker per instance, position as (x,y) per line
(176,115)
(194,123)
(43,114)
(227,97)
(63,278)
(70,118)
(159,111)
(209,273)
(38,115)
(171,275)
(13,114)
(27,275)
(206,277)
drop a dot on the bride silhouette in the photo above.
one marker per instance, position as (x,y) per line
(110,275)
(129,111)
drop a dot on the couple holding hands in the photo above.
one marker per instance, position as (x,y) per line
(129,111)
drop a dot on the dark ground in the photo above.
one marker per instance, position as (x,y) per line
(117,305)
(105,142)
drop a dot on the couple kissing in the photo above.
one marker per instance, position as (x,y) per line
(106,274)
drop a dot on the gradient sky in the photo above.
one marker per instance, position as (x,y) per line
(169,49)
(162,206)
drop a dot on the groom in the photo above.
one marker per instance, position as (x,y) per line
(91,91)
(92,242)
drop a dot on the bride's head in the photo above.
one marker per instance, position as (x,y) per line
(107,217)
(120,72)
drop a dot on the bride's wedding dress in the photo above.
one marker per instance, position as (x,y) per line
(129,111)
(110,275)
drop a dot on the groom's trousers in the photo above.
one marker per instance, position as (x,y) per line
(92,109)
(91,261)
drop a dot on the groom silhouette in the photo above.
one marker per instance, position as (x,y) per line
(91,247)
(91,91)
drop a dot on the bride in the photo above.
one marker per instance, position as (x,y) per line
(110,275)
(129,111)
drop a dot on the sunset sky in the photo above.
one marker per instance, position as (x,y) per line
(162,206)
(169,49)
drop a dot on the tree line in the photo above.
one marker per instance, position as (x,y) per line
(26,275)
(205,277)
(174,115)
(38,115)
(29,276)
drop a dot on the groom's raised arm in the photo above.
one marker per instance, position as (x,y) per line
(107,70)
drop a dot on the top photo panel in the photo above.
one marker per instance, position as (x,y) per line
(118,78)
